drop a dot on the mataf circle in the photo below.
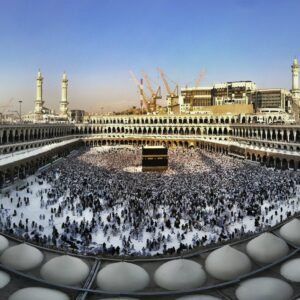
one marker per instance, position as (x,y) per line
(38,293)
(267,248)
(227,263)
(65,269)
(22,257)
(122,277)
(291,270)
(180,274)
(264,288)
(291,231)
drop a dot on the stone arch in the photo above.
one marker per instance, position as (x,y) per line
(271,162)
(292,164)
(285,164)
(278,163)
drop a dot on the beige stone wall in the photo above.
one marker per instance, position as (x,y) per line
(227,108)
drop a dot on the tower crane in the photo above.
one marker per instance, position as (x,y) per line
(172,96)
(155,95)
(5,108)
(200,77)
(171,93)
(144,102)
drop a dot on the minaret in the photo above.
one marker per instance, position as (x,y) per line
(295,80)
(39,103)
(63,108)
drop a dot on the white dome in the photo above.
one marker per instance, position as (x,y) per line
(180,274)
(119,298)
(198,297)
(22,257)
(4,279)
(227,263)
(291,270)
(65,269)
(266,248)
(122,277)
(264,288)
(291,231)
(38,293)
(3,243)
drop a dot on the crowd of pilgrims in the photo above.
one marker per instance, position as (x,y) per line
(204,197)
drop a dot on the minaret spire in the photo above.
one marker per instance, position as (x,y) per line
(39,103)
(295,74)
(64,96)
(295,81)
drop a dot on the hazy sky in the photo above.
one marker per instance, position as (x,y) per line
(97,42)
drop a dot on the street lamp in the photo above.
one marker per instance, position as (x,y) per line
(101,119)
(20,111)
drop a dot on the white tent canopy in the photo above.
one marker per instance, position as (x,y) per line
(266,248)
(4,279)
(291,231)
(122,276)
(180,274)
(264,288)
(291,270)
(119,298)
(38,293)
(198,297)
(3,243)
(22,257)
(227,263)
(65,269)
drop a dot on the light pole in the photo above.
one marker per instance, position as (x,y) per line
(20,111)
(102,115)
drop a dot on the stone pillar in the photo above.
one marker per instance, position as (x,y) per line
(282,135)
(13,135)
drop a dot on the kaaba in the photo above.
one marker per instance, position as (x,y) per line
(154,159)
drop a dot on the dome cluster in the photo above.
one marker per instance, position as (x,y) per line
(227,264)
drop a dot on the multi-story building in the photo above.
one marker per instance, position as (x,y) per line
(77,115)
(275,99)
(173,106)
(196,98)
(193,98)
(236,92)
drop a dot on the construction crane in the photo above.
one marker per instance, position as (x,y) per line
(155,95)
(172,96)
(171,93)
(200,78)
(144,101)
(6,107)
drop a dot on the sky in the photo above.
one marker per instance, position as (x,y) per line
(97,43)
